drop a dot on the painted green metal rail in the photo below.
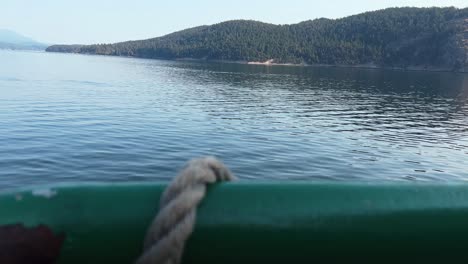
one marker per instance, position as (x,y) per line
(260,222)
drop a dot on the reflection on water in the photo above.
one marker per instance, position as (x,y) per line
(88,118)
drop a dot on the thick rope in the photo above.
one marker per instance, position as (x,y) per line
(170,229)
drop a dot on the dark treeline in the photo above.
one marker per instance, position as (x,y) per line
(395,37)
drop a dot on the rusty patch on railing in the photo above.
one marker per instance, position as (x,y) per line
(21,245)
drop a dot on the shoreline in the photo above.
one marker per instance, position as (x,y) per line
(271,63)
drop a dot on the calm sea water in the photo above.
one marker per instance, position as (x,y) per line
(72,118)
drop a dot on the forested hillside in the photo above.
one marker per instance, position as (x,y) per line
(395,37)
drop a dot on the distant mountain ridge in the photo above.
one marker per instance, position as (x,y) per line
(408,38)
(12,40)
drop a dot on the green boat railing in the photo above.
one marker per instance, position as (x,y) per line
(246,222)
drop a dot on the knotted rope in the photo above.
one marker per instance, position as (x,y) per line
(165,239)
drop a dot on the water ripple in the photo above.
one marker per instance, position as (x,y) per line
(87,118)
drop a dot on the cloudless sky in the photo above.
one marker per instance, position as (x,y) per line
(103,21)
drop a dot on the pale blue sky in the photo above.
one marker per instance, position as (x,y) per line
(102,21)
